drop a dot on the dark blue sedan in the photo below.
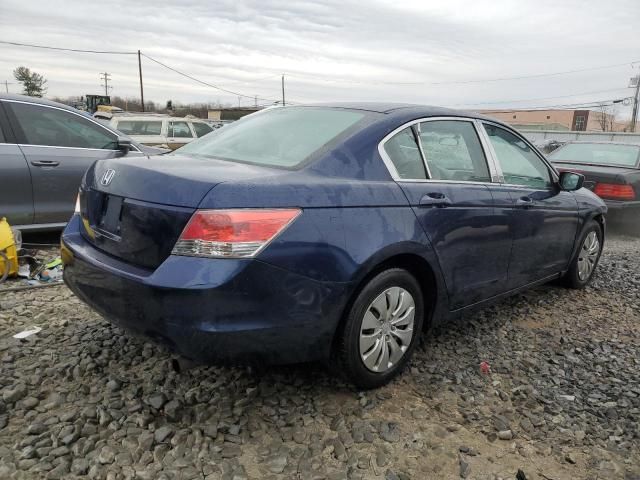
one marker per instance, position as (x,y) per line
(326,232)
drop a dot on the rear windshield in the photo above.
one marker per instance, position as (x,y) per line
(140,127)
(279,137)
(598,153)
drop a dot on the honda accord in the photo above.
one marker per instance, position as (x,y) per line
(328,232)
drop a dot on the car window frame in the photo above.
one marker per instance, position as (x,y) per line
(489,157)
(193,128)
(553,173)
(21,138)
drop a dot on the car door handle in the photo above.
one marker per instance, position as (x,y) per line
(45,163)
(525,202)
(435,199)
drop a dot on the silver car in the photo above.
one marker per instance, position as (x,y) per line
(45,148)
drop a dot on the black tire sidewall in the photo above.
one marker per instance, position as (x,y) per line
(349,345)
(573,279)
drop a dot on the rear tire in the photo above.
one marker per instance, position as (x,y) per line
(586,260)
(380,330)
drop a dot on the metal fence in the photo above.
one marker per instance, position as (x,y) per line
(539,136)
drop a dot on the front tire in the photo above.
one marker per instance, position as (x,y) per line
(380,330)
(585,262)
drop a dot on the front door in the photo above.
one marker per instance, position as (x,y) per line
(59,146)
(453,202)
(543,218)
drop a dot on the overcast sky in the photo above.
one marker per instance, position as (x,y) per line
(407,51)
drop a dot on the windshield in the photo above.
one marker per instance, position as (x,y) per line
(279,137)
(598,153)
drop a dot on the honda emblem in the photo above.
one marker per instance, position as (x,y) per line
(107,177)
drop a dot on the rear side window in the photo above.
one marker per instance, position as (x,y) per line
(180,130)
(279,137)
(453,151)
(43,125)
(140,127)
(404,153)
(201,129)
(520,164)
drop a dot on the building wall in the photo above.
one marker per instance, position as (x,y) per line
(575,120)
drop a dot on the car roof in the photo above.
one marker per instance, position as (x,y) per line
(154,118)
(404,109)
(602,142)
(36,100)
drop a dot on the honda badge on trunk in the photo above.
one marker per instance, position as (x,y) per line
(107,177)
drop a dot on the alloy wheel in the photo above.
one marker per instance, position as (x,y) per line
(387,329)
(588,256)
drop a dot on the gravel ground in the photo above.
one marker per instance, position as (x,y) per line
(561,401)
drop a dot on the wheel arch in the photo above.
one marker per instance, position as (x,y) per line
(421,265)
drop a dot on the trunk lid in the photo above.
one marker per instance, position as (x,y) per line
(135,208)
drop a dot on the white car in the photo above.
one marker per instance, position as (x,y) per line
(161,131)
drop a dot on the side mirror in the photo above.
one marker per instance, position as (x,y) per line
(124,145)
(571,181)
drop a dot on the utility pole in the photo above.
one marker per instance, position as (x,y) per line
(255,101)
(105,77)
(283,90)
(6,85)
(636,99)
(140,73)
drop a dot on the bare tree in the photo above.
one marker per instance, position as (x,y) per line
(33,83)
(606,117)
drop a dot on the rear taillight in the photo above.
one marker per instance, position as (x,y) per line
(232,233)
(614,191)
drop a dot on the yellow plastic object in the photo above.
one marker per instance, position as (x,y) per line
(8,247)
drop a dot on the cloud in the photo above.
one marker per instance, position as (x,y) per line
(331,50)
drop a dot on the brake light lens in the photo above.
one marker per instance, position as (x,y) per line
(614,191)
(232,233)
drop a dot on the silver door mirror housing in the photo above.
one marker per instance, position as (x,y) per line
(124,145)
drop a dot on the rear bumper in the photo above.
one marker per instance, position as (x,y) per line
(209,310)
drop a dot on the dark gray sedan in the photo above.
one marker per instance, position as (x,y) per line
(45,148)
(612,171)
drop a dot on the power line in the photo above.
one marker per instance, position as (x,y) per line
(464,82)
(110,52)
(202,82)
(543,98)
(591,104)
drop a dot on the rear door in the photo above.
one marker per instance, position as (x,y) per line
(441,166)
(543,218)
(179,134)
(16,197)
(59,146)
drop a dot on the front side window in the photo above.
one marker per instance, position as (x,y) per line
(404,153)
(520,164)
(453,151)
(201,129)
(279,137)
(43,125)
(180,130)
(140,127)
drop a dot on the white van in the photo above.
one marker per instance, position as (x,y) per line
(160,130)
